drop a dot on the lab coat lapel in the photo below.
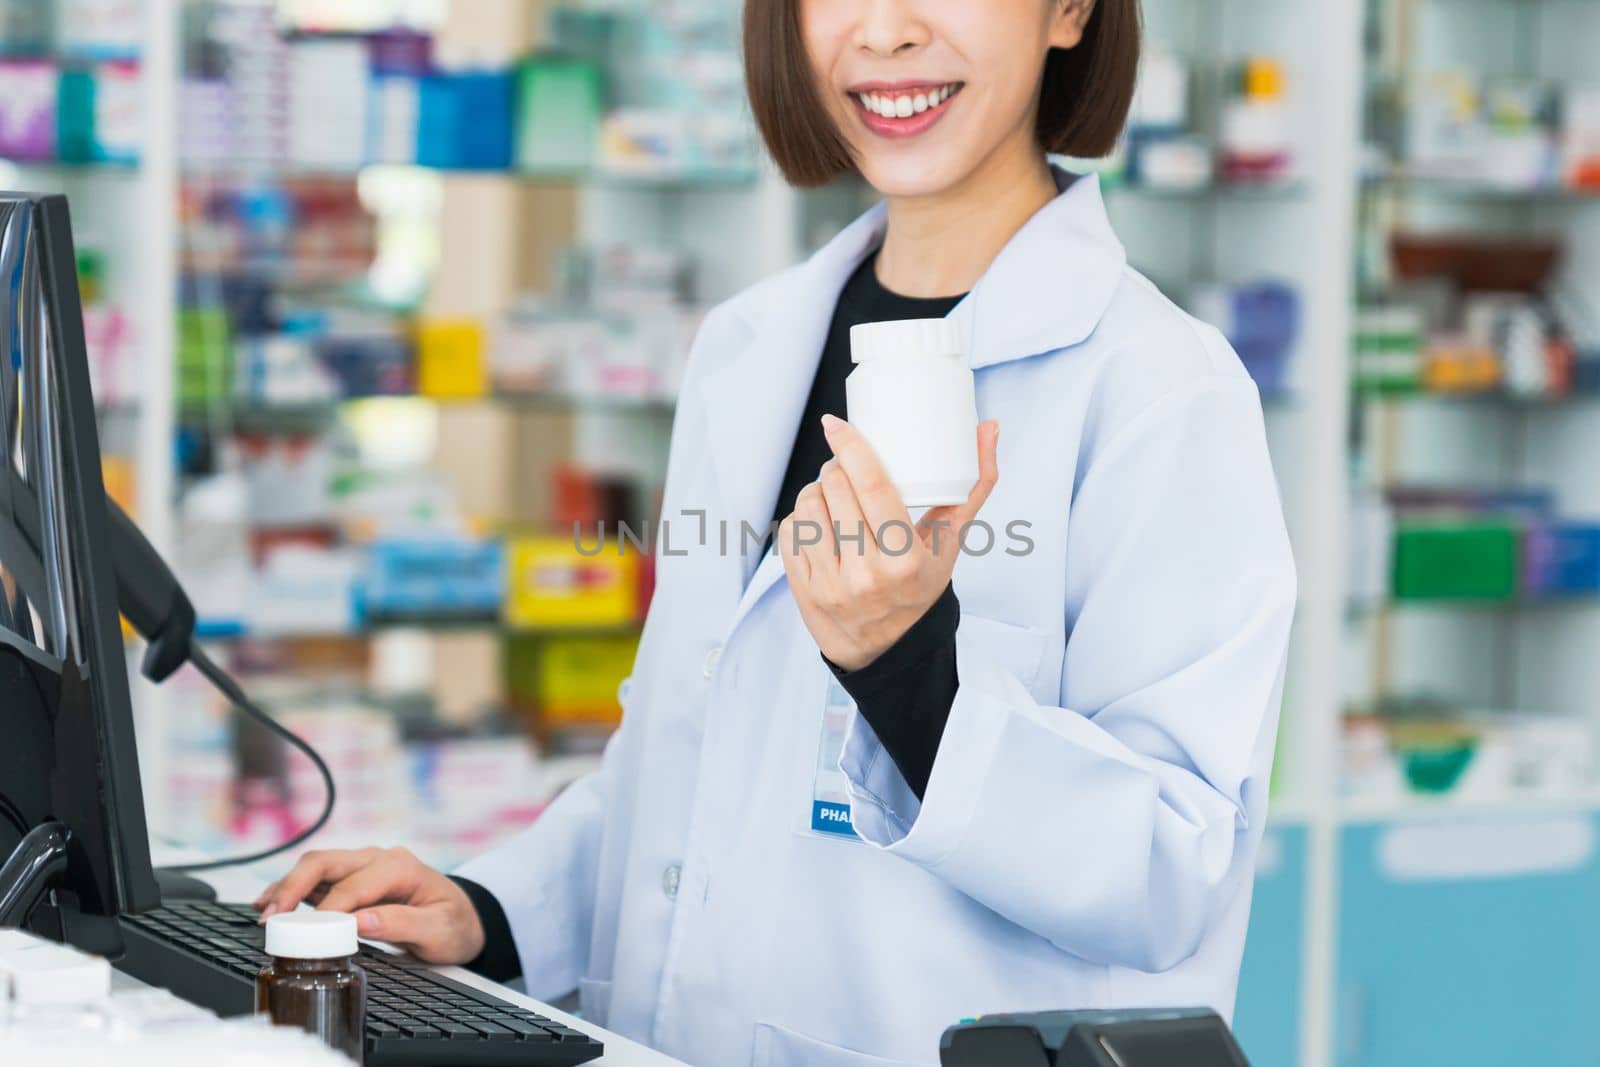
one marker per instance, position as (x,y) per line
(756,397)
(1051,284)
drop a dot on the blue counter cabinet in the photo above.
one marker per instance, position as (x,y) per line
(1469,941)
(1266,1016)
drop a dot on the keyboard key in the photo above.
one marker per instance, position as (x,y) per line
(379,1028)
(455,1029)
(422,1031)
(490,1030)
(523,1028)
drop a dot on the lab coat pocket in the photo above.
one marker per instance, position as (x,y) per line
(777,1047)
(1017,649)
(594,1000)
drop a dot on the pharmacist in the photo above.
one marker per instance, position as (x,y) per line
(863,789)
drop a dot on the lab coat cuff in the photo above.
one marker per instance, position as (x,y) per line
(884,810)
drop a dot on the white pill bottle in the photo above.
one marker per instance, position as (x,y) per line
(912,397)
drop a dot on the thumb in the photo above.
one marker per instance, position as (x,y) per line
(423,931)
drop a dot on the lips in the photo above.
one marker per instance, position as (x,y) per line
(903,110)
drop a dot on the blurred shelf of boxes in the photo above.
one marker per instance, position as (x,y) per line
(1475,536)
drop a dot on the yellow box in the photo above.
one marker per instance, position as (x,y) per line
(550,584)
(1263,79)
(1460,369)
(579,678)
(451,359)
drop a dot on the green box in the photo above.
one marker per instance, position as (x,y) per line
(1456,561)
(559,105)
(205,358)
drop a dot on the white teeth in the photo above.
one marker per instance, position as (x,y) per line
(905,106)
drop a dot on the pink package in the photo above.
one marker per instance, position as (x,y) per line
(28,109)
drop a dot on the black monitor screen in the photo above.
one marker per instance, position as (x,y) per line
(68,748)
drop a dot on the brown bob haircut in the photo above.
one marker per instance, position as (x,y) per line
(1083,98)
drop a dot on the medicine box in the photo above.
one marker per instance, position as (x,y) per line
(99,119)
(575,680)
(551,583)
(452,363)
(560,101)
(1561,559)
(464,121)
(1455,561)
(205,357)
(436,577)
(29,90)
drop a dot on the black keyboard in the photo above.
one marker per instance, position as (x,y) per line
(209,954)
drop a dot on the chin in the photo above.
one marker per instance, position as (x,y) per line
(914,174)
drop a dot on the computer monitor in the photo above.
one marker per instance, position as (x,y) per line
(67,751)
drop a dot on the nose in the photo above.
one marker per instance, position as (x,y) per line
(890,27)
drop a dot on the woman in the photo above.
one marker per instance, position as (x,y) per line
(1022,778)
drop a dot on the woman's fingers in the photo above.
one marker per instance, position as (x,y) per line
(312,870)
(392,877)
(794,563)
(813,532)
(855,542)
(880,501)
(432,933)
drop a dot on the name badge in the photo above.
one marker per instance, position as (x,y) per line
(830,799)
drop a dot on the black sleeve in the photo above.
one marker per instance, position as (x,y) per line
(499,959)
(906,693)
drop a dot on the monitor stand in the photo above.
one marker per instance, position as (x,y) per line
(175,885)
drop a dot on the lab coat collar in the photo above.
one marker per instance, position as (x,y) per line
(1047,289)
(1052,282)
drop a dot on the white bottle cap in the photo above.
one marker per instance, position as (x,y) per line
(908,337)
(311,935)
(57,974)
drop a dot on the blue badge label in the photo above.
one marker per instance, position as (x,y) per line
(830,818)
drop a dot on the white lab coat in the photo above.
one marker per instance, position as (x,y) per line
(1088,835)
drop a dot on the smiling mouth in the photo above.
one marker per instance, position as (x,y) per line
(908,110)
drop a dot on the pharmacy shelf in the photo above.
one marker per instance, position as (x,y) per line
(1466,188)
(1483,399)
(1582,602)
(1410,807)
(715,180)
(375,627)
(320,416)
(114,168)
(1287,189)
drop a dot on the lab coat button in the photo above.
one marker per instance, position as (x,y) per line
(669,881)
(712,658)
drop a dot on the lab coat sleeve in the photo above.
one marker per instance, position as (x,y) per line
(1108,824)
(545,879)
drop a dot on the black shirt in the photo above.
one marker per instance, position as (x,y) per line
(906,693)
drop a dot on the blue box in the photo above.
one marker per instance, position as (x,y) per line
(1561,559)
(466,121)
(433,578)
(369,366)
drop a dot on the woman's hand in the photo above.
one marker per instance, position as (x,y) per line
(395,896)
(859,595)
